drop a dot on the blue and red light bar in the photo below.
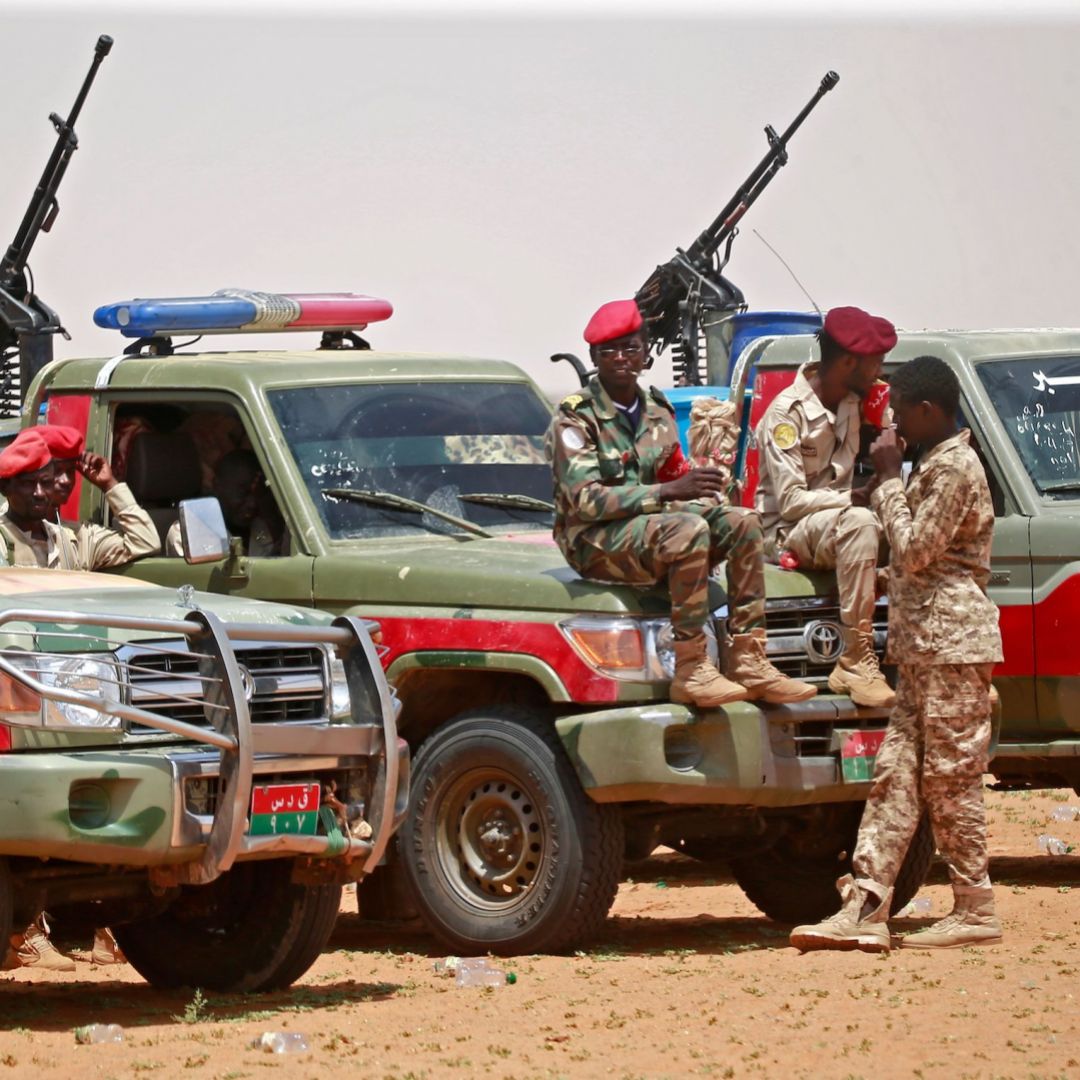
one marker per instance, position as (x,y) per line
(240,311)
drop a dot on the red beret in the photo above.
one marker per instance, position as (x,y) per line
(858,332)
(63,442)
(27,453)
(613,320)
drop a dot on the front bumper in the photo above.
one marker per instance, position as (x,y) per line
(746,754)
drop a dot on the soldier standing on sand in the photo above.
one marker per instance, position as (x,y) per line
(808,442)
(943,634)
(628,508)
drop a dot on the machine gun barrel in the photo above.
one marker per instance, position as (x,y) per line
(710,240)
(43,207)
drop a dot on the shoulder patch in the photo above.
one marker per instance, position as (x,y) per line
(784,435)
(573,402)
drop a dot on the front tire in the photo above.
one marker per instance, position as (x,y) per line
(251,930)
(503,850)
(791,886)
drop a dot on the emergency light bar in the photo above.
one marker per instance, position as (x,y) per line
(240,311)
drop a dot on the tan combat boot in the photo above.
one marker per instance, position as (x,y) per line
(34,949)
(861,923)
(697,681)
(857,673)
(748,665)
(105,950)
(972,921)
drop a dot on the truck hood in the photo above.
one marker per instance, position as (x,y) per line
(522,572)
(105,594)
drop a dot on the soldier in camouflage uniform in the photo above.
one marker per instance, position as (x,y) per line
(943,634)
(808,442)
(629,509)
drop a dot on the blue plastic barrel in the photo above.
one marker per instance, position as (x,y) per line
(749,325)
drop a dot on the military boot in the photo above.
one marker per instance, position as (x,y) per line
(33,948)
(748,666)
(697,681)
(972,921)
(861,923)
(857,673)
(105,950)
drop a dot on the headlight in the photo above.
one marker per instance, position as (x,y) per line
(623,647)
(96,678)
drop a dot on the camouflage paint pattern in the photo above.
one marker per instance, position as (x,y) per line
(933,758)
(611,526)
(940,533)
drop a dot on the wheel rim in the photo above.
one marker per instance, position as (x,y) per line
(492,841)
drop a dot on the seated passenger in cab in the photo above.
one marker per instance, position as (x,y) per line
(240,487)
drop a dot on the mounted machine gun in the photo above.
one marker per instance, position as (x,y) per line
(27,324)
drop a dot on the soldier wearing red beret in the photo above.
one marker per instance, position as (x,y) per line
(628,508)
(808,442)
(31,535)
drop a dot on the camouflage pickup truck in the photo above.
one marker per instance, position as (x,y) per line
(201,773)
(415,491)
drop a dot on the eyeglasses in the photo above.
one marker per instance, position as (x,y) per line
(634,349)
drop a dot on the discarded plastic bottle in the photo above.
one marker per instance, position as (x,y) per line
(1066,813)
(479,971)
(1052,845)
(281,1042)
(92,1034)
(446,967)
(919,906)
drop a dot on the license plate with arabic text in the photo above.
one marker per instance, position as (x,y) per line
(285,809)
(858,752)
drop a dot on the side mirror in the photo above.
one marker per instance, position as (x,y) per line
(202,531)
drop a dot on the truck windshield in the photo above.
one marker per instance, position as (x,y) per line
(436,443)
(1039,405)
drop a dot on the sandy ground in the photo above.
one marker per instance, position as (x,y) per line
(687,980)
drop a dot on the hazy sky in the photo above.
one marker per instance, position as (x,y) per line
(497,177)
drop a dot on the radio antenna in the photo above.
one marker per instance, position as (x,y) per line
(789,270)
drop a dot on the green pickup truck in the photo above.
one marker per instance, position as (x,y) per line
(415,491)
(201,773)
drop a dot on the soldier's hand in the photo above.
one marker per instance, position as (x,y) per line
(97,470)
(861,496)
(696,484)
(887,454)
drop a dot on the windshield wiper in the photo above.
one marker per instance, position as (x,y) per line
(1061,485)
(402,502)
(515,502)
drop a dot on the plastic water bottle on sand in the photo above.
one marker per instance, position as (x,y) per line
(93,1034)
(479,971)
(281,1042)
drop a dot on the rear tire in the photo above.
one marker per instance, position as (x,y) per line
(791,888)
(503,850)
(251,930)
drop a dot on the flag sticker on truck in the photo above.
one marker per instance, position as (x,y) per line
(858,752)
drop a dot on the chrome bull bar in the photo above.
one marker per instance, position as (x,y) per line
(231,732)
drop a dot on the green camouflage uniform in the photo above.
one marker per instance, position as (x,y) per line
(943,634)
(611,525)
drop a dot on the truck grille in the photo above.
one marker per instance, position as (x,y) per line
(804,636)
(285,682)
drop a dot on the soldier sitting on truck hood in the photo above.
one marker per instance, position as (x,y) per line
(29,536)
(808,441)
(625,510)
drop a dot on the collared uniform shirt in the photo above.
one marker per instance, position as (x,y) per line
(85,546)
(603,468)
(806,454)
(940,532)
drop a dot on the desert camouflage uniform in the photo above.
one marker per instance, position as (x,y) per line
(611,525)
(807,457)
(85,546)
(943,634)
